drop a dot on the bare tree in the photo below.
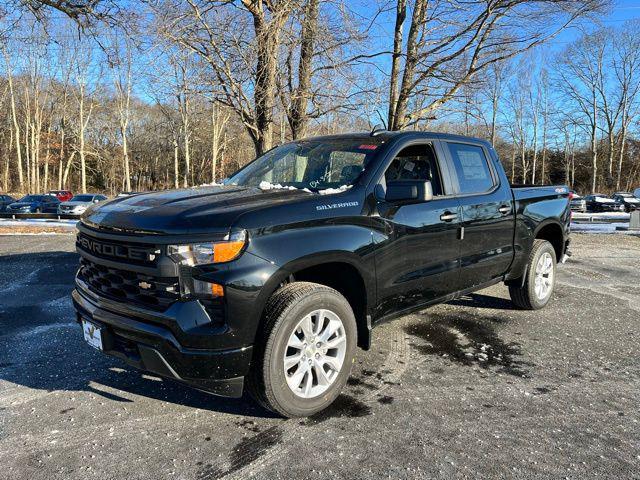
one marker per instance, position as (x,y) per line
(297,111)
(14,117)
(448,43)
(626,64)
(219,121)
(579,72)
(84,76)
(123,85)
(245,68)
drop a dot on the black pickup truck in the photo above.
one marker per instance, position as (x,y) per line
(272,280)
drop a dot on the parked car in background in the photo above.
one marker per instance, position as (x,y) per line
(578,203)
(628,201)
(79,203)
(597,202)
(62,195)
(5,201)
(35,204)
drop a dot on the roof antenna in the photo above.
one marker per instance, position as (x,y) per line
(377,130)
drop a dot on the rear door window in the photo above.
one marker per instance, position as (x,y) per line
(472,168)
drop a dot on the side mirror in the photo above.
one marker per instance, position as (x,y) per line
(96,200)
(409,190)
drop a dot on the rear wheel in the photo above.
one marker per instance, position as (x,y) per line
(307,350)
(537,288)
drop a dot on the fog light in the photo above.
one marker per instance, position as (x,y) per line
(207,289)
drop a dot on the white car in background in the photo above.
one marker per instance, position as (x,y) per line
(79,203)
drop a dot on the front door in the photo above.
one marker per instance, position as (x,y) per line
(417,257)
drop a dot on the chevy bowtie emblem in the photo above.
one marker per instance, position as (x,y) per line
(144,285)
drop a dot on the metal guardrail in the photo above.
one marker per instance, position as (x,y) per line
(41,216)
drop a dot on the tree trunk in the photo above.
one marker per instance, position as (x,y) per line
(267,38)
(60,187)
(401,15)
(125,157)
(67,169)
(399,119)
(623,141)
(16,125)
(176,167)
(187,159)
(298,116)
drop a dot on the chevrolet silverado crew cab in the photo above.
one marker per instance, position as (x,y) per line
(270,281)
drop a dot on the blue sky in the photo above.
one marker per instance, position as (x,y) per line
(621,11)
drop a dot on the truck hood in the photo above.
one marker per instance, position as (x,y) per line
(186,211)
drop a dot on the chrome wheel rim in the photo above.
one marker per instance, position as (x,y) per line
(314,355)
(544,276)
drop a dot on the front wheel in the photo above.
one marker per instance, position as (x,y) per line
(304,357)
(537,288)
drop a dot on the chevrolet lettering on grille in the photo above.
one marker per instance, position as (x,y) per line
(117,251)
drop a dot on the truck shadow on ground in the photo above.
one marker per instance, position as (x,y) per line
(479,300)
(469,340)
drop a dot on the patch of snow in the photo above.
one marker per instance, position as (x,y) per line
(264,185)
(212,184)
(601,216)
(601,228)
(604,200)
(330,191)
(33,222)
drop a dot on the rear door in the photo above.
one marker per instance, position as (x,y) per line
(417,257)
(487,213)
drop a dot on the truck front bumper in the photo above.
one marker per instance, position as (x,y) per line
(132,335)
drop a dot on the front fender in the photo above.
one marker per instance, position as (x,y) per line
(272,257)
(305,246)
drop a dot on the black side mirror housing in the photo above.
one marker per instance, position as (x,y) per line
(408,191)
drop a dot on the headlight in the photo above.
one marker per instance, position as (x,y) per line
(217,252)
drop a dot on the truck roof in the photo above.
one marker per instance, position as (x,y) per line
(388,135)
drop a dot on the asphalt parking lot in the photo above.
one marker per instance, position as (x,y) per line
(473,388)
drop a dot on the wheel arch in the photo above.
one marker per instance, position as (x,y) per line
(341,271)
(552,232)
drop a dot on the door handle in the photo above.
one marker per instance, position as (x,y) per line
(504,209)
(448,216)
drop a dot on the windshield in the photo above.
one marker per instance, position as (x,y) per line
(31,198)
(82,198)
(311,164)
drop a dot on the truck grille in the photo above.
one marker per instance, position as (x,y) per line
(135,253)
(157,293)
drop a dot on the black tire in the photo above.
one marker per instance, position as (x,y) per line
(523,295)
(266,382)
